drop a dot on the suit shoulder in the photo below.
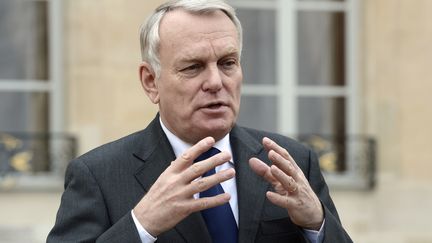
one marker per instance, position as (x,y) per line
(111,151)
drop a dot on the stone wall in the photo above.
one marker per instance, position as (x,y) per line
(397,58)
(104,96)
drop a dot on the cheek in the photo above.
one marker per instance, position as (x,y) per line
(181,99)
(236,88)
(238,78)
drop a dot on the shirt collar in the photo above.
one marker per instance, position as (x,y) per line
(179,146)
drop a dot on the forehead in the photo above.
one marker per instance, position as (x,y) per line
(180,29)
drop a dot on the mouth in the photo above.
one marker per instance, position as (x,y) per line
(214,105)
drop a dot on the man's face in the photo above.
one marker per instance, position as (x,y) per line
(198,90)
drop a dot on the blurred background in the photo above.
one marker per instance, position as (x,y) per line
(350,78)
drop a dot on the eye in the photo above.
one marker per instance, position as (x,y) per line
(229,63)
(191,68)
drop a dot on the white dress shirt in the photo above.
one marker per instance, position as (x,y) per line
(229,186)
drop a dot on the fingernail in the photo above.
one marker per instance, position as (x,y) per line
(209,140)
(223,156)
(230,172)
(267,140)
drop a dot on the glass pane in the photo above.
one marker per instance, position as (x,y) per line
(321,48)
(259,112)
(322,127)
(23,42)
(259,54)
(324,116)
(23,112)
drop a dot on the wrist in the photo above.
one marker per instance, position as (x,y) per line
(316,221)
(315,227)
(148,226)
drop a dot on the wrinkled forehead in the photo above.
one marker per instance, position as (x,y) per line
(214,49)
(193,35)
(182,24)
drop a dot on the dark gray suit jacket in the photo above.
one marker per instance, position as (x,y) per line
(104,185)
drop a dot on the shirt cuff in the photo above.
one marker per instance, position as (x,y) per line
(315,236)
(145,236)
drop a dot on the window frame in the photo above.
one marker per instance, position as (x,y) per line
(54,88)
(54,85)
(286,88)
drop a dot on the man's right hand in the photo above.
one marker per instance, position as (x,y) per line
(171,199)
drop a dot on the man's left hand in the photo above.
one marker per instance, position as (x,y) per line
(291,188)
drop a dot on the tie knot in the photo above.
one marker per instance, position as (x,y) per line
(209,153)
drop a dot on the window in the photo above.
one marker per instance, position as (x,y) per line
(31,98)
(300,79)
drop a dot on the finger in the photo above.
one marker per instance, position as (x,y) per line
(188,157)
(271,145)
(287,182)
(280,200)
(262,169)
(204,183)
(209,202)
(199,168)
(285,165)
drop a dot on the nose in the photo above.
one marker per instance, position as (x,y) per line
(213,79)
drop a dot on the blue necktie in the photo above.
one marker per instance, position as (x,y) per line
(219,220)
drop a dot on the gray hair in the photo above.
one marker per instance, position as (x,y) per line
(149,36)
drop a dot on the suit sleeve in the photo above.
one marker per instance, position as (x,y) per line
(333,230)
(83,217)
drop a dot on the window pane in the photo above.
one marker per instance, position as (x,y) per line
(23,112)
(324,116)
(321,48)
(23,42)
(259,112)
(258,55)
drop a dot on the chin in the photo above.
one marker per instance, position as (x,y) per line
(218,129)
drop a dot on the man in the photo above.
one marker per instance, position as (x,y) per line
(155,184)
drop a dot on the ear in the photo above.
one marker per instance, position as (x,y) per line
(148,82)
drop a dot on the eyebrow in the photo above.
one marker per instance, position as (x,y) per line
(188,58)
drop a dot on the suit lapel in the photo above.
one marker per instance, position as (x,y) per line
(250,187)
(156,153)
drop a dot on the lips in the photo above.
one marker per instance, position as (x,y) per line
(214,105)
